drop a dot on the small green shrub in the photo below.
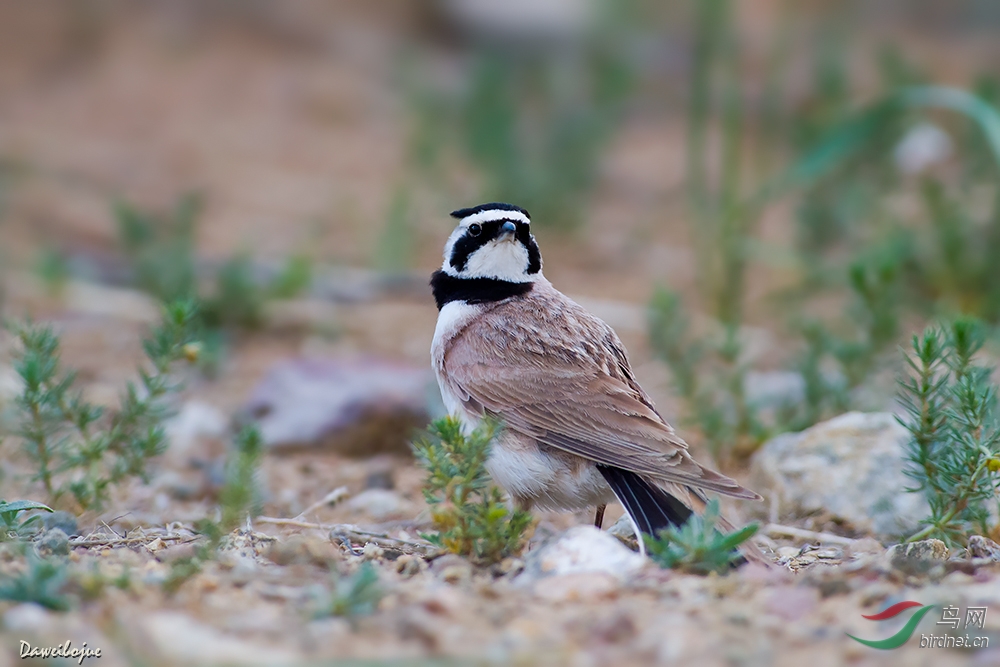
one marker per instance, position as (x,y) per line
(11,525)
(78,449)
(44,581)
(469,513)
(240,496)
(698,546)
(351,596)
(161,251)
(954,451)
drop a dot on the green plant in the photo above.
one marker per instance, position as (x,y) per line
(11,526)
(240,496)
(161,251)
(851,239)
(698,546)
(160,247)
(77,448)
(469,513)
(710,376)
(352,596)
(954,450)
(181,570)
(43,581)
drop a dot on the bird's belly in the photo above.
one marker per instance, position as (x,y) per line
(537,475)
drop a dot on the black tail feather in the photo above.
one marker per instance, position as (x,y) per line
(652,508)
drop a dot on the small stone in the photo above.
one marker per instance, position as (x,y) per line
(580,587)
(409,565)
(54,542)
(27,617)
(624,532)
(509,566)
(156,545)
(917,555)
(204,644)
(866,546)
(379,504)
(176,552)
(302,549)
(788,553)
(372,551)
(64,521)
(983,547)
(582,549)
(452,568)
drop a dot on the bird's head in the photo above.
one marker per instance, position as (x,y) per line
(492,241)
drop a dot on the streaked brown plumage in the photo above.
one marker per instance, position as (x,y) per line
(577,423)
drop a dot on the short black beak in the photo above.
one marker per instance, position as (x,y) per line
(507,230)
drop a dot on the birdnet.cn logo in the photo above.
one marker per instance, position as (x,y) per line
(951,636)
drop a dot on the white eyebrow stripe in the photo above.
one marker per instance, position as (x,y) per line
(495,214)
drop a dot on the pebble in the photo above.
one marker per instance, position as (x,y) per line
(378,504)
(580,587)
(581,549)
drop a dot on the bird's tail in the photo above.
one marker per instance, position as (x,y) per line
(652,509)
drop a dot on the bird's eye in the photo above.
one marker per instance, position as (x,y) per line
(475,230)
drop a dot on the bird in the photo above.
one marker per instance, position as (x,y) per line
(578,430)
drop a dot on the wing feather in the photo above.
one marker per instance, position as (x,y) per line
(562,377)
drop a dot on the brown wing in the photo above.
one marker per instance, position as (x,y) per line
(561,376)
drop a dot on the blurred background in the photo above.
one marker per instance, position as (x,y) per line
(764,198)
(793,187)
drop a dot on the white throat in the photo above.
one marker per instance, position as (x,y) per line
(499,259)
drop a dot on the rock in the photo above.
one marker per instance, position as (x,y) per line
(917,555)
(204,645)
(581,550)
(452,568)
(195,421)
(983,547)
(624,532)
(379,504)
(359,408)
(54,542)
(64,521)
(28,617)
(303,549)
(851,466)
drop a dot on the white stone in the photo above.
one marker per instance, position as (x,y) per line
(582,549)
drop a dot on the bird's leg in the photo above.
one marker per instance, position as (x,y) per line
(599,518)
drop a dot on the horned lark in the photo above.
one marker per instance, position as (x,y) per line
(579,430)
